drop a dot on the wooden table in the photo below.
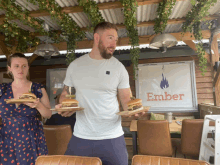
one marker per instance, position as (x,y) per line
(174,128)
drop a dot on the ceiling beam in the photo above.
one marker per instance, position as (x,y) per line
(86,44)
(4,49)
(192,45)
(32,58)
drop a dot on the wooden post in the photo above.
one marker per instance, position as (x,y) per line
(32,58)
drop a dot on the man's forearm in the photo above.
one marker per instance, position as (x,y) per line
(124,103)
(125,97)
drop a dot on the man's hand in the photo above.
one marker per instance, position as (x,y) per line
(139,114)
(64,113)
(136,116)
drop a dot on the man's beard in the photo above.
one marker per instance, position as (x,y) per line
(103,51)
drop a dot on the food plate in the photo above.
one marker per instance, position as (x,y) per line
(65,109)
(129,113)
(13,101)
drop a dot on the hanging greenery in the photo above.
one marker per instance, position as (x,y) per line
(91,9)
(130,8)
(15,36)
(69,27)
(163,12)
(14,11)
(71,46)
(193,24)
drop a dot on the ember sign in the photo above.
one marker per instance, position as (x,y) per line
(167,86)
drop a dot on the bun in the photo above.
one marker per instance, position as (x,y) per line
(70,103)
(134,104)
(28,96)
(135,101)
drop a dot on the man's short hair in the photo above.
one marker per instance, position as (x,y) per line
(104,26)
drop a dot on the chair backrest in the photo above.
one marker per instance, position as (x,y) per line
(154,138)
(67,160)
(159,160)
(57,138)
(191,136)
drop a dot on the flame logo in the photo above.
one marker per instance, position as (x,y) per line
(164,83)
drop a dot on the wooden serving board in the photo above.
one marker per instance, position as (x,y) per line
(69,109)
(129,113)
(13,101)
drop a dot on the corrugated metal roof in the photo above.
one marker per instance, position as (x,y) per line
(66,3)
(21,25)
(115,16)
(144,13)
(180,9)
(27,5)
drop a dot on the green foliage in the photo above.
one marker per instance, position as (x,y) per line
(92,11)
(71,46)
(130,8)
(163,12)
(15,36)
(192,24)
(18,36)
(69,27)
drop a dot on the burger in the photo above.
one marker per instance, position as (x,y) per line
(28,96)
(135,104)
(70,103)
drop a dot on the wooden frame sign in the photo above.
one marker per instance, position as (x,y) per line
(168,86)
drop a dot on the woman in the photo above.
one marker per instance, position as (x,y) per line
(21,133)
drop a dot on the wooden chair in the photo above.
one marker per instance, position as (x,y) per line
(67,160)
(159,160)
(57,138)
(191,136)
(154,138)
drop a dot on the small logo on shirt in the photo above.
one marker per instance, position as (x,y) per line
(108,72)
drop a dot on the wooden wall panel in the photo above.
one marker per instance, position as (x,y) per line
(38,73)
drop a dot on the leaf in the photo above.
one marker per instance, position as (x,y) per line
(193,2)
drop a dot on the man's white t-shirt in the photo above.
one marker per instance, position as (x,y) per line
(96,83)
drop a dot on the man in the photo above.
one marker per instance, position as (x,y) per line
(98,78)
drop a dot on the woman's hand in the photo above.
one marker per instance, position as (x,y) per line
(35,104)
